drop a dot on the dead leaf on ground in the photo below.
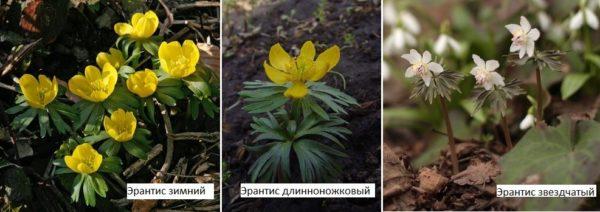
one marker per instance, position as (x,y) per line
(431,181)
(477,174)
(211,56)
(397,178)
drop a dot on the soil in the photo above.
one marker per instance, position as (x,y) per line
(249,32)
(73,47)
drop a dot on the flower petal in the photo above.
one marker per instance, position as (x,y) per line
(123,29)
(491,65)
(530,48)
(410,72)
(591,18)
(525,24)
(72,163)
(478,61)
(496,79)
(191,52)
(534,34)
(426,57)
(325,62)
(427,79)
(279,58)
(296,91)
(513,28)
(307,52)
(435,68)
(275,75)
(413,57)
(576,21)
(440,44)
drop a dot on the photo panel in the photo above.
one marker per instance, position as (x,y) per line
(301,94)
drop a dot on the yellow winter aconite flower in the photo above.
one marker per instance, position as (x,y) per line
(142,83)
(38,92)
(85,159)
(115,58)
(95,86)
(282,68)
(142,26)
(120,125)
(178,60)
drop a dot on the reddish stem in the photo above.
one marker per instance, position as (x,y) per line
(507,138)
(540,106)
(450,134)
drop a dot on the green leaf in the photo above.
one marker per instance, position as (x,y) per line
(150,110)
(572,83)
(169,82)
(24,119)
(150,47)
(166,99)
(174,92)
(99,184)
(89,191)
(111,164)
(86,109)
(78,183)
(563,154)
(58,122)
(200,88)
(125,71)
(16,109)
(44,123)
(110,147)
(97,137)
(135,149)
(94,120)
(595,59)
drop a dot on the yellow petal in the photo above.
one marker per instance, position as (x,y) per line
(278,58)
(102,58)
(72,163)
(296,91)
(191,52)
(29,86)
(275,75)
(325,62)
(92,73)
(110,75)
(135,18)
(123,29)
(97,162)
(117,56)
(84,168)
(307,52)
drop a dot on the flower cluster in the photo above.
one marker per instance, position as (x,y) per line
(112,99)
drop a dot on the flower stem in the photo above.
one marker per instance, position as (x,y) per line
(507,138)
(538,77)
(450,134)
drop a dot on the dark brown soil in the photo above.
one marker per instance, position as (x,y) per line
(246,47)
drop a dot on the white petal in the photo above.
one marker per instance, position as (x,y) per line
(527,122)
(385,71)
(576,21)
(478,61)
(496,79)
(525,24)
(514,47)
(388,45)
(522,52)
(415,54)
(530,48)
(436,68)
(426,57)
(409,39)
(513,28)
(491,65)
(427,79)
(591,18)
(412,58)
(389,14)
(488,85)
(455,45)
(398,40)
(410,22)
(474,71)
(534,34)
(544,20)
(410,72)
(440,44)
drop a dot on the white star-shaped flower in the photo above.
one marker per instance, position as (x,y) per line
(397,40)
(584,15)
(421,66)
(484,73)
(524,37)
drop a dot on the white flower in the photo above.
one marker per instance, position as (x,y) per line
(584,15)
(524,37)
(484,73)
(389,13)
(385,71)
(445,41)
(397,40)
(544,20)
(409,22)
(421,66)
(405,18)
(527,122)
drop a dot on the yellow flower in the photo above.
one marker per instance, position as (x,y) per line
(95,86)
(142,26)
(38,92)
(178,60)
(142,83)
(282,68)
(85,159)
(115,58)
(120,126)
